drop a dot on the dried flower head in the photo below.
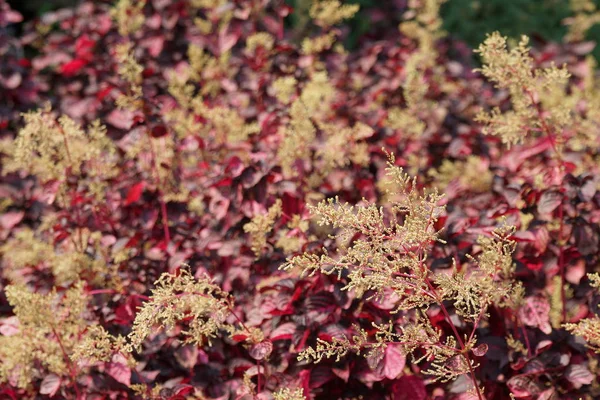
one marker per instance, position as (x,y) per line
(390,251)
(297,138)
(261,225)
(52,149)
(260,39)
(177,297)
(426,24)
(327,13)
(588,328)
(131,72)
(285,89)
(97,345)
(537,94)
(318,44)
(470,173)
(49,327)
(289,394)
(382,251)
(585,16)
(129,15)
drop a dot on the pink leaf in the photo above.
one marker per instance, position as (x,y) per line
(536,312)
(118,369)
(122,119)
(283,331)
(9,326)
(50,385)
(394,362)
(13,81)
(261,350)
(154,45)
(227,41)
(579,375)
(480,350)
(8,16)
(549,201)
(11,219)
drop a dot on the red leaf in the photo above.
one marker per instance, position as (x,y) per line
(239,337)
(135,192)
(84,46)
(182,390)
(72,67)
(159,130)
(50,385)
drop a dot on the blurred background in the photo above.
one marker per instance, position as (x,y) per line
(468,20)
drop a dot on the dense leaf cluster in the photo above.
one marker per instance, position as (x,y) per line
(169,228)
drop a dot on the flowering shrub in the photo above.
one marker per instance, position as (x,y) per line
(198,203)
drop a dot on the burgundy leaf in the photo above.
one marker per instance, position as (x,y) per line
(409,387)
(549,201)
(187,356)
(522,386)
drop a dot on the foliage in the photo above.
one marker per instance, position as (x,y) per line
(198,201)
(549,20)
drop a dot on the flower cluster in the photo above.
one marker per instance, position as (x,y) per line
(244,142)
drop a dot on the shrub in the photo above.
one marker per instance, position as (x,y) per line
(200,203)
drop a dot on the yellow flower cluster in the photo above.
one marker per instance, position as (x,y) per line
(129,15)
(384,250)
(48,328)
(469,173)
(177,297)
(586,15)
(53,149)
(261,225)
(537,94)
(588,328)
(326,13)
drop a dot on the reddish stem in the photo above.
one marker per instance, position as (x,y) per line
(259,382)
(72,370)
(561,264)
(163,205)
(529,352)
